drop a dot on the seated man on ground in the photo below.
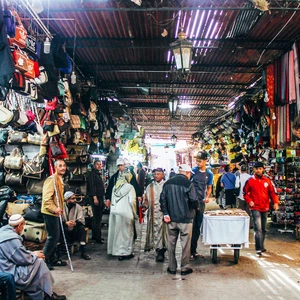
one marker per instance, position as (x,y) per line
(73,221)
(29,270)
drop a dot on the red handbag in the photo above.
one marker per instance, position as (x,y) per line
(30,66)
(51,104)
(20,38)
(20,59)
(57,148)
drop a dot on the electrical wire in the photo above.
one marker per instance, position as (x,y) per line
(288,21)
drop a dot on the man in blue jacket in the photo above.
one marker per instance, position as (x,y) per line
(203,180)
(178,200)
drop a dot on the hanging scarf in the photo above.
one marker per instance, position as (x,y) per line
(270,85)
(292,84)
(296,70)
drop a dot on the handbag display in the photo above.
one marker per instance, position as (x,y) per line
(34,186)
(84,157)
(16,207)
(33,169)
(33,213)
(62,124)
(5,115)
(34,232)
(75,121)
(34,139)
(57,148)
(20,59)
(76,177)
(51,105)
(72,156)
(14,160)
(17,137)
(14,178)
(7,193)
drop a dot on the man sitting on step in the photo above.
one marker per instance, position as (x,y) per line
(73,221)
(29,270)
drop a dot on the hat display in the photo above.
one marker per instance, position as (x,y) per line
(120,161)
(258,164)
(185,167)
(68,195)
(202,155)
(15,220)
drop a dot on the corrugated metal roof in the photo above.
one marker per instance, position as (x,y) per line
(121,46)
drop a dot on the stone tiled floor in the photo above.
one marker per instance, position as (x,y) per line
(275,275)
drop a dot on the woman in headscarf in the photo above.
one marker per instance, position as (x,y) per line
(122,218)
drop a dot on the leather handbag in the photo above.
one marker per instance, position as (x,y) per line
(34,186)
(34,139)
(14,160)
(57,148)
(48,122)
(84,157)
(55,131)
(33,213)
(17,137)
(14,178)
(18,82)
(51,105)
(72,156)
(62,124)
(3,204)
(76,177)
(75,121)
(7,193)
(33,169)
(30,69)
(16,207)
(2,177)
(5,115)
(34,232)
(3,136)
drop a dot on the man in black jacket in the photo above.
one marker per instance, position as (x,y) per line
(95,191)
(178,201)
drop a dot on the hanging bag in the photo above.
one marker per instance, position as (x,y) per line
(14,160)
(14,178)
(57,148)
(34,168)
(16,207)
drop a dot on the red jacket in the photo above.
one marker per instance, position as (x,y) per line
(260,190)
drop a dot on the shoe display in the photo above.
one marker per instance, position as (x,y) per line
(186,272)
(85,256)
(171,272)
(55,296)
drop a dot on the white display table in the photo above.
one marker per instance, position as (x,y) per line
(226,227)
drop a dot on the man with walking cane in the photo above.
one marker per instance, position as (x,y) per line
(52,204)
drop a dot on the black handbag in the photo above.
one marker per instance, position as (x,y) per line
(76,177)
(33,213)
(7,193)
(2,177)
(34,186)
(14,178)
(3,204)
(83,158)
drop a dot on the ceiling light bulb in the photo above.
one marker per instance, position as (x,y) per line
(37,6)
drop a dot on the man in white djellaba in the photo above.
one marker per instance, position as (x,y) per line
(122,218)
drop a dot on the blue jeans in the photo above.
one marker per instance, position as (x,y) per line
(260,222)
(7,286)
(196,231)
(53,236)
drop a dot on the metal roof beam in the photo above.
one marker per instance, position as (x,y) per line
(171,71)
(137,98)
(170,9)
(154,105)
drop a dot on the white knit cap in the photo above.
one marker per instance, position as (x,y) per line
(120,161)
(68,195)
(15,220)
(185,167)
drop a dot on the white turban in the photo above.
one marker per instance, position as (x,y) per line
(15,220)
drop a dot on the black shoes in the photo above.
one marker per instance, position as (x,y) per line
(171,272)
(264,250)
(100,241)
(85,256)
(50,267)
(160,255)
(59,263)
(186,272)
(55,296)
(126,257)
